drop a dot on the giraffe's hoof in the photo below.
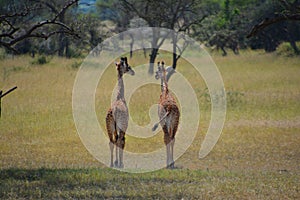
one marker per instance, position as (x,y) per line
(121,165)
(171,166)
(116,164)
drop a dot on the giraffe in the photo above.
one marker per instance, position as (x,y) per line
(168,113)
(117,117)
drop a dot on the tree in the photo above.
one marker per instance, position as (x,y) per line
(175,15)
(280,18)
(287,11)
(225,28)
(91,31)
(32,19)
(149,11)
(112,10)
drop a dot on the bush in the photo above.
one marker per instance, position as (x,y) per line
(285,49)
(40,60)
(3,54)
(72,53)
(76,65)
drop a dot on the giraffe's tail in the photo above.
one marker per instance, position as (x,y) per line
(156,124)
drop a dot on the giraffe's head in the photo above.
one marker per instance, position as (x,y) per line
(123,67)
(162,71)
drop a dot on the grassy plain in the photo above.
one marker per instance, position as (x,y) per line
(256,157)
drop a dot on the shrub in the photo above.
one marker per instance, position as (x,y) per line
(2,54)
(40,60)
(73,53)
(76,65)
(285,49)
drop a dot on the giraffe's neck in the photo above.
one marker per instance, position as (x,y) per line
(120,91)
(164,86)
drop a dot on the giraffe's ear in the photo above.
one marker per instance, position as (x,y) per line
(162,66)
(117,65)
(125,60)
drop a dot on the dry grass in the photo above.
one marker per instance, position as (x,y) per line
(257,156)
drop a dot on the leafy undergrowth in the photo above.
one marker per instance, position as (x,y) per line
(163,184)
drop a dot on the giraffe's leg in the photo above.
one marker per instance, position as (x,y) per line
(111,146)
(170,143)
(111,131)
(172,150)
(168,155)
(121,146)
(116,164)
(167,143)
(117,152)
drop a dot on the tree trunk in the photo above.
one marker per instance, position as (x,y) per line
(61,44)
(153,55)
(0,102)
(154,51)
(61,39)
(67,46)
(291,38)
(131,45)
(294,46)
(270,45)
(174,40)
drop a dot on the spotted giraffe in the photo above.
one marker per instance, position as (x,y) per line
(168,113)
(117,116)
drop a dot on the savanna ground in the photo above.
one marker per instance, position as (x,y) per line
(256,157)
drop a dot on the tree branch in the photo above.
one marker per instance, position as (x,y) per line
(290,12)
(267,22)
(16,34)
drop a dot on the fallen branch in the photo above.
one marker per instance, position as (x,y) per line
(9,91)
(6,93)
(14,34)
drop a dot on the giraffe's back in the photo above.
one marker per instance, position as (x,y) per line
(171,121)
(120,114)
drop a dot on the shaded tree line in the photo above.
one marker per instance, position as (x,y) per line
(47,27)
(21,21)
(59,27)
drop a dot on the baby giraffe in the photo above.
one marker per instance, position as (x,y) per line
(168,113)
(117,117)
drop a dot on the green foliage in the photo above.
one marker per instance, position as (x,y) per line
(92,32)
(2,53)
(108,10)
(40,60)
(221,23)
(76,64)
(227,14)
(24,23)
(74,53)
(233,18)
(285,49)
